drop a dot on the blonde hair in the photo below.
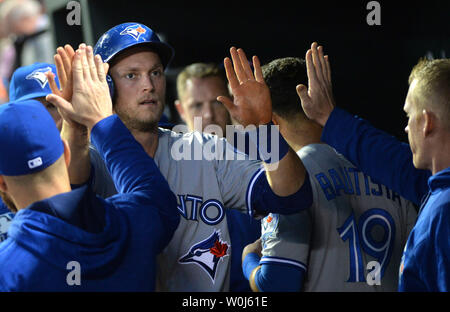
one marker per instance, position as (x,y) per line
(433,87)
(198,70)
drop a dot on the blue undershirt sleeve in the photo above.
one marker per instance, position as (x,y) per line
(263,200)
(274,277)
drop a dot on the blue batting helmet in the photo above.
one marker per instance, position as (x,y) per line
(127,35)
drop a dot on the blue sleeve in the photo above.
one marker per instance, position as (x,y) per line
(377,154)
(133,171)
(243,230)
(3,208)
(263,200)
(274,277)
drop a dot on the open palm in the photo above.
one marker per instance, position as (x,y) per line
(251,103)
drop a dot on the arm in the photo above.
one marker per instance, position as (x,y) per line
(376,153)
(76,134)
(277,261)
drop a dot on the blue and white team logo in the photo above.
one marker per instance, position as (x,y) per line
(5,222)
(207,254)
(39,76)
(134,31)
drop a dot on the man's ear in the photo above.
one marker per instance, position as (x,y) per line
(430,122)
(275,119)
(67,154)
(3,186)
(180,109)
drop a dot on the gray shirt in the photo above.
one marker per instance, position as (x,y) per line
(353,221)
(198,256)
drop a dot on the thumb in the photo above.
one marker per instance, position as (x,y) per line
(302,92)
(227,102)
(60,103)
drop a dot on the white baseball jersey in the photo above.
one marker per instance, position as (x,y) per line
(352,222)
(198,256)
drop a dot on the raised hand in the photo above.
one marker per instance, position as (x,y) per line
(90,101)
(63,62)
(317,100)
(252,103)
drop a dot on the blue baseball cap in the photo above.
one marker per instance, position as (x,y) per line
(29,139)
(30,82)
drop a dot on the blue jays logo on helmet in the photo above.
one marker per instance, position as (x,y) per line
(127,35)
(207,254)
(134,31)
(39,76)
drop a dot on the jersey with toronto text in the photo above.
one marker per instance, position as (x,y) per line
(351,238)
(208,176)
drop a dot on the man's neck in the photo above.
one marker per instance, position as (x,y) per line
(441,159)
(148,140)
(301,134)
(25,196)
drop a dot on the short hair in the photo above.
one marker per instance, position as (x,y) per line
(199,70)
(433,86)
(282,76)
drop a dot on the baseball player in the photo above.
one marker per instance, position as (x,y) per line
(198,86)
(352,237)
(107,245)
(418,171)
(29,82)
(198,256)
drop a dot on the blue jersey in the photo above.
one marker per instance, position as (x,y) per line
(426,260)
(425,264)
(76,241)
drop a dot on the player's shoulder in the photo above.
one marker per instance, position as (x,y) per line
(191,136)
(321,155)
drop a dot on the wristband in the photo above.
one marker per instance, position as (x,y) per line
(261,143)
(251,261)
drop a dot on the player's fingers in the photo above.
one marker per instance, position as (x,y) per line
(69,51)
(240,73)
(62,75)
(66,61)
(245,64)
(231,75)
(311,72)
(77,70)
(327,62)
(102,68)
(84,63)
(227,102)
(52,83)
(323,64)
(91,63)
(305,100)
(257,68)
(316,61)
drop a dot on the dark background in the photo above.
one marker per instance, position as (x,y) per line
(370,64)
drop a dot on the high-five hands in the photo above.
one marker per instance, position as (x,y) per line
(90,100)
(252,103)
(317,100)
